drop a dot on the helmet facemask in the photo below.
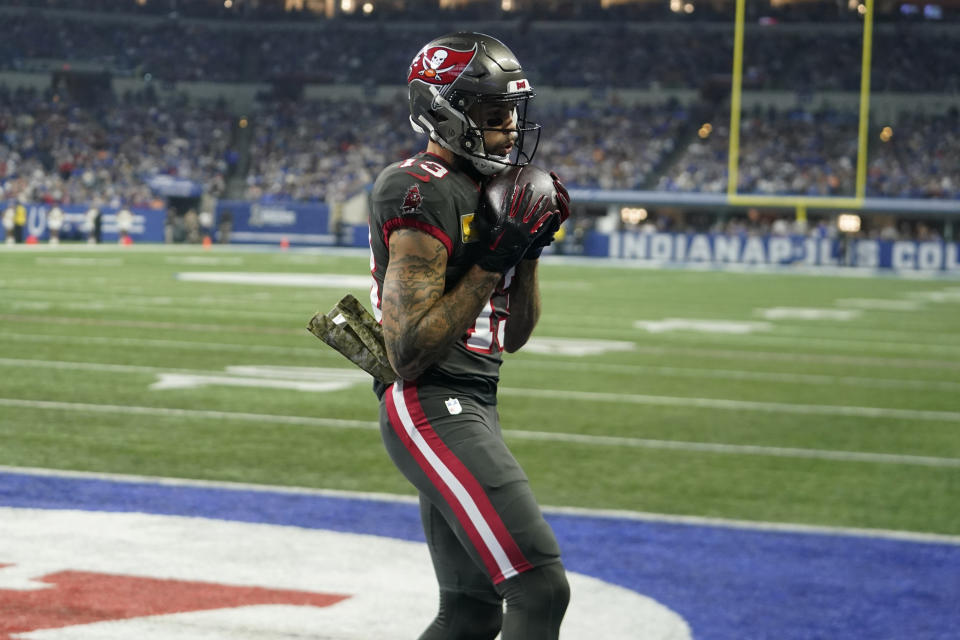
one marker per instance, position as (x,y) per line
(499,121)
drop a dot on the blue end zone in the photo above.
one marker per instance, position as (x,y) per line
(728,583)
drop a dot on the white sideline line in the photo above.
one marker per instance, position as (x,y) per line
(616,441)
(640,349)
(907,536)
(736,405)
(761,376)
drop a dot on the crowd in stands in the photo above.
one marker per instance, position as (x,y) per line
(792,152)
(278,10)
(159,47)
(315,151)
(799,152)
(611,146)
(294,156)
(665,55)
(921,159)
(55,150)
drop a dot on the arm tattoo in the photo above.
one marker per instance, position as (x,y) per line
(420,321)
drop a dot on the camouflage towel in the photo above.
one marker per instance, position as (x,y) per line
(353,332)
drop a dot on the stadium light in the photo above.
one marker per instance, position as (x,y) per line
(848,223)
(506,5)
(633,215)
(368,8)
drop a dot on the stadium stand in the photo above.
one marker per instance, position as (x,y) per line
(53,149)
(642,108)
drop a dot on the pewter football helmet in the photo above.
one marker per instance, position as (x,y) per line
(453,73)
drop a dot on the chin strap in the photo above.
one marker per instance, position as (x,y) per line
(489,165)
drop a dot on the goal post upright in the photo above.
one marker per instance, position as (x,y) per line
(736,88)
(733,153)
(865,67)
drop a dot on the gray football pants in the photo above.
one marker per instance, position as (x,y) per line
(487,537)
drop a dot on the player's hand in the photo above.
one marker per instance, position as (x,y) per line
(563,209)
(516,208)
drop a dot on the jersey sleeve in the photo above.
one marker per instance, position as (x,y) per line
(403,199)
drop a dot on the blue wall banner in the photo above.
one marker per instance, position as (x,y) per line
(172,187)
(297,222)
(147,223)
(719,249)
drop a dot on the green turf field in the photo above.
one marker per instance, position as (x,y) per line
(847,418)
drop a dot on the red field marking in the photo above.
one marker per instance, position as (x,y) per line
(78,597)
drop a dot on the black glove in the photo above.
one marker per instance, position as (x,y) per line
(516,208)
(546,237)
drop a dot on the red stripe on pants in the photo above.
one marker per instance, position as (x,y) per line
(414,409)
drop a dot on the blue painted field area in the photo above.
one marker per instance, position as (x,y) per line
(727,582)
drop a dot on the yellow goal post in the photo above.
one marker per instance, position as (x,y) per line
(801,203)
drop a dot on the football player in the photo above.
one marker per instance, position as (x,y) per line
(451,294)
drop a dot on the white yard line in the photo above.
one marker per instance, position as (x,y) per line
(909,337)
(768,356)
(576,438)
(731,374)
(700,353)
(907,536)
(157,306)
(193,413)
(254,371)
(161,301)
(146,324)
(170,344)
(739,374)
(735,405)
(799,339)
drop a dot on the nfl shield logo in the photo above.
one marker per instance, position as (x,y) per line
(453,406)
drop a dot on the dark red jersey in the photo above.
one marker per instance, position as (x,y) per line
(428,194)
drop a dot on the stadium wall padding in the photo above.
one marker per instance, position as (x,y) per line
(310,224)
(271,223)
(147,223)
(770,250)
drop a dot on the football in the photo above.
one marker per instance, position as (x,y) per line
(498,191)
